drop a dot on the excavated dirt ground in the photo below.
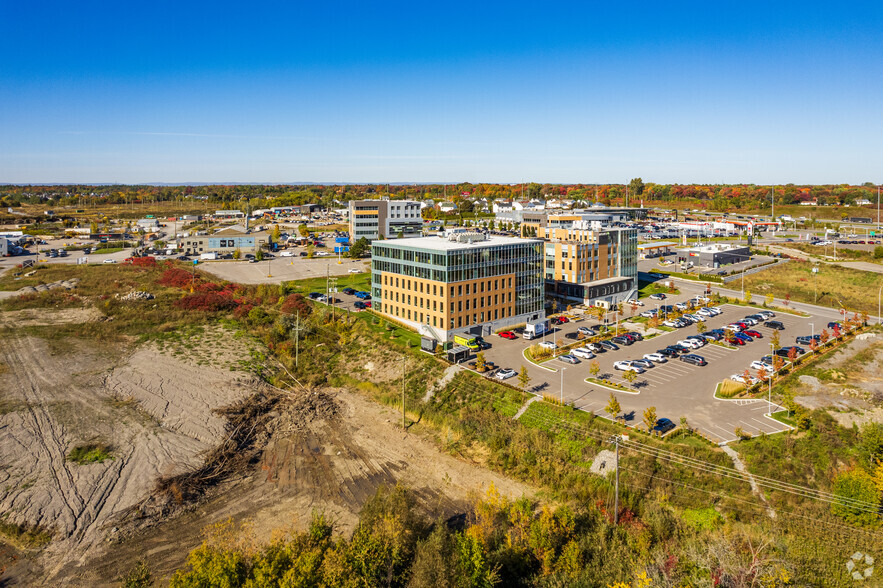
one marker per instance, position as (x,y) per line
(325,450)
(154,411)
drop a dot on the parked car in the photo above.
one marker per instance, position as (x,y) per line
(569,359)
(776,325)
(548,345)
(712,336)
(682,305)
(735,341)
(507,335)
(635,302)
(349,291)
(833,324)
(505,374)
(657,297)
(753,334)
(806,339)
(663,426)
(363,295)
(750,321)
(583,353)
(691,343)
(622,340)
(655,357)
(586,331)
(648,313)
(359,305)
(627,366)
(636,335)
(705,312)
(667,352)
(609,345)
(694,359)
(108,260)
(560,320)
(761,365)
(644,363)
(743,337)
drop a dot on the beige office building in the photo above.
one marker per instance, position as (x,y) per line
(460,283)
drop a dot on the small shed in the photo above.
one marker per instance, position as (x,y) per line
(458,353)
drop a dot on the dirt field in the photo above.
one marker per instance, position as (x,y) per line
(152,410)
(153,407)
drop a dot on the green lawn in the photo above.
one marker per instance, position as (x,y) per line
(645,289)
(358,281)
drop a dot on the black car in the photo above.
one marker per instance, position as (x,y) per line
(622,340)
(314,295)
(833,324)
(774,325)
(667,352)
(610,345)
(349,291)
(360,305)
(637,336)
(663,426)
(693,359)
(806,339)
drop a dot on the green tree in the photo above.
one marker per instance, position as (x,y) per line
(480,362)
(700,327)
(359,248)
(276,235)
(303,231)
(769,299)
(259,254)
(237,254)
(774,340)
(594,368)
(650,418)
(747,299)
(613,408)
(878,252)
(636,187)
(93,227)
(856,485)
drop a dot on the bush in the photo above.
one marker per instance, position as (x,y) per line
(878,252)
(858,485)
(176,278)
(90,453)
(296,304)
(206,301)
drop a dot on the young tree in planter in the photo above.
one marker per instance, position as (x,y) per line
(837,333)
(650,418)
(613,408)
(747,299)
(480,363)
(523,378)
(769,300)
(684,424)
(778,362)
(762,374)
(700,327)
(774,340)
(792,353)
(824,336)
(629,376)
(814,346)
(594,368)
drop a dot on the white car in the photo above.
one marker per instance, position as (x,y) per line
(548,345)
(635,302)
(287,254)
(583,353)
(734,327)
(648,313)
(682,305)
(691,343)
(716,310)
(760,365)
(655,357)
(627,366)
(670,323)
(705,312)
(354,270)
(702,299)
(110,261)
(505,374)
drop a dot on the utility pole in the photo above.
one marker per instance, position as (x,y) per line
(297,330)
(616,439)
(403,392)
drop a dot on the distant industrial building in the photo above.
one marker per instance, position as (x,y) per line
(533,221)
(229,214)
(714,255)
(384,219)
(460,283)
(226,241)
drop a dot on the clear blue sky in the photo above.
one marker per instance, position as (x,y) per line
(761,92)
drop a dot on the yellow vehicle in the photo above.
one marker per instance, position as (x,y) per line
(470,342)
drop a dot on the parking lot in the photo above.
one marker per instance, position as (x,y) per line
(677,389)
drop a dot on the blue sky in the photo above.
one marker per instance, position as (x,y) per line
(588,92)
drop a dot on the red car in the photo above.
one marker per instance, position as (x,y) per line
(368,303)
(734,341)
(560,320)
(753,334)
(508,335)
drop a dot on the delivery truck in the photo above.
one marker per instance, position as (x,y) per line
(537,328)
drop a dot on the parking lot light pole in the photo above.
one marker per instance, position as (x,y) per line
(770,393)
(879,318)
(812,328)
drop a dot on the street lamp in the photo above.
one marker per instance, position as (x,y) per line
(879,320)
(770,393)
(812,331)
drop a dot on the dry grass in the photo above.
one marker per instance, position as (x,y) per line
(832,286)
(729,388)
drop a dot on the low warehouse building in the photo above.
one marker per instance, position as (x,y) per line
(227,241)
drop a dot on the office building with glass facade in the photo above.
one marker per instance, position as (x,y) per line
(458,284)
(590,265)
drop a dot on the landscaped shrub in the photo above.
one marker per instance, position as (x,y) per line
(144,262)
(176,278)
(296,304)
(206,301)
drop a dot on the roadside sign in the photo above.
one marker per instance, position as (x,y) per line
(82,260)
(195,262)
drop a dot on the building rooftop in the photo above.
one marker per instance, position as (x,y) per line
(714,248)
(442,243)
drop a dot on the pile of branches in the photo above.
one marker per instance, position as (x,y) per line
(246,429)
